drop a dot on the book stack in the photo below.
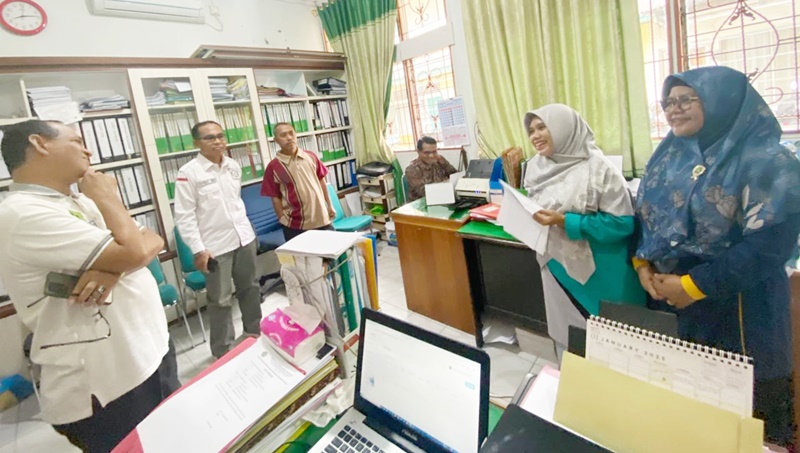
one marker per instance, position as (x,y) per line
(238,88)
(177,92)
(115,102)
(248,398)
(335,272)
(487,212)
(275,427)
(48,96)
(330,86)
(219,89)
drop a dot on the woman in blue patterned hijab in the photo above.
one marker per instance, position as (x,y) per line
(719,208)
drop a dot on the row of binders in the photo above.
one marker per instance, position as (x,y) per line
(293,113)
(133,185)
(148,220)
(342,175)
(335,145)
(330,114)
(246,156)
(173,131)
(237,122)
(110,139)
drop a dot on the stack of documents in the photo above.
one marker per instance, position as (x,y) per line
(177,91)
(251,392)
(516,218)
(54,103)
(45,96)
(330,86)
(115,102)
(219,89)
(238,89)
(157,99)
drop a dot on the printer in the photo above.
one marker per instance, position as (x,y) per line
(475,184)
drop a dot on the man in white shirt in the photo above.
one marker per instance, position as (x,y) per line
(212,220)
(95,386)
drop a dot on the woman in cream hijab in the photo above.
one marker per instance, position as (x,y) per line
(588,206)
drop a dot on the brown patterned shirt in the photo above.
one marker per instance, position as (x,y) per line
(419,173)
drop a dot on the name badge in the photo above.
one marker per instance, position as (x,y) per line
(206,182)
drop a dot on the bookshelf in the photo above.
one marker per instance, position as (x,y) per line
(155,138)
(322,123)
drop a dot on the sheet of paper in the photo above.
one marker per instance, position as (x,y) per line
(455,177)
(328,244)
(439,193)
(67,112)
(516,218)
(206,415)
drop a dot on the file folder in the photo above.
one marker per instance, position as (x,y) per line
(626,414)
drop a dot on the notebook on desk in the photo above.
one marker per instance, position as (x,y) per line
(415,391)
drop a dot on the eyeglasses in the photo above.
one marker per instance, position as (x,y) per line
(211,138)
(683,102)
(429,153)
(98,316)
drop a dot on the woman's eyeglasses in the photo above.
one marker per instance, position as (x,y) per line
(683,102)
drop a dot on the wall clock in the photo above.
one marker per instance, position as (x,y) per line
(23,17)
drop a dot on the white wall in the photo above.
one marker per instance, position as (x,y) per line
(73,31)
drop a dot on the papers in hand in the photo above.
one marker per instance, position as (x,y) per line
(516,218)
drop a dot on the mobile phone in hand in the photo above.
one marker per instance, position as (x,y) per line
(60,285)
(212,265)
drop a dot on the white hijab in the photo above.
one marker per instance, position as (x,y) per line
(576,178)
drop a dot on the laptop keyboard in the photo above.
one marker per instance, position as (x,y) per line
(350,441)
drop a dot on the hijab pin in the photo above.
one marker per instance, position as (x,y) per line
(697,171)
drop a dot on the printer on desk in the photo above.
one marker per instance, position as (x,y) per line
(480,181)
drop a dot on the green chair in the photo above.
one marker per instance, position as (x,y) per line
(169,294)
(343,223)
(193,279)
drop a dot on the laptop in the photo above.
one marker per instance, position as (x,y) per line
(415,391)
(520,431)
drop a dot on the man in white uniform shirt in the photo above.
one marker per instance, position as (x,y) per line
(102,346)
(212,220)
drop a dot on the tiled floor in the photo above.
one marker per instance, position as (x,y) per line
(22,432)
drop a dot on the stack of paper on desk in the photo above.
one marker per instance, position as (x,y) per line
(516,218)
(207,414)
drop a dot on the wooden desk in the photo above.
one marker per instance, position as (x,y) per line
(433,264)
(504,278)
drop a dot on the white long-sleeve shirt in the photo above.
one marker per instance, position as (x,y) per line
(209,211)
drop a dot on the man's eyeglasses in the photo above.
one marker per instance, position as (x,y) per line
(211,138)
(98,316)
(429,153)
(683,102)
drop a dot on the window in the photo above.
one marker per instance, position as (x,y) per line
(423,77)
(759,38)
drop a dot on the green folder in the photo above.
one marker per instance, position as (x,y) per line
(350,303)
(162,145)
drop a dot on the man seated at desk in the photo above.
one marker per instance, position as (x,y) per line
(429,167)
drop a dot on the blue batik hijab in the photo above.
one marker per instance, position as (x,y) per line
(700,193)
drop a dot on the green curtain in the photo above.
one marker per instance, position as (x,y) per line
(363,30)
(584,53)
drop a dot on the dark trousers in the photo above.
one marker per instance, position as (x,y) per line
(774,403)
(289,233)
(109,425)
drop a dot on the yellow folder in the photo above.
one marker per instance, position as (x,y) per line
(628,415)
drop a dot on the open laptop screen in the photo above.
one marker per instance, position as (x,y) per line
(425,382)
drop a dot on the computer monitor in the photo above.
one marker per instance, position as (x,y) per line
(432,390)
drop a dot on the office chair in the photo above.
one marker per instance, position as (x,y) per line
(169,294)
(345,223)
(193,279)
